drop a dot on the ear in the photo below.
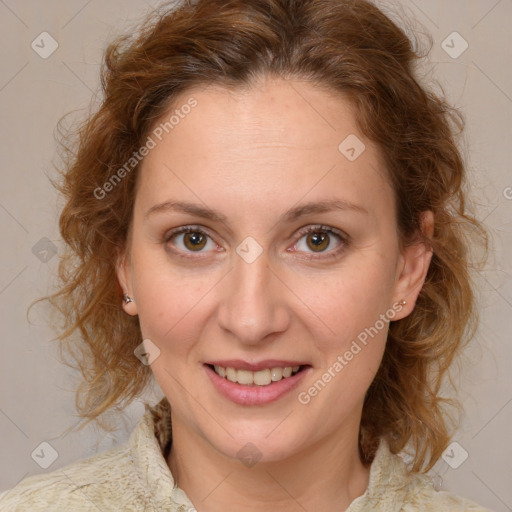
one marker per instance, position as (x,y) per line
(413,266)
(123,272)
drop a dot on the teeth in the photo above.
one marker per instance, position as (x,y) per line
(262,377)
(231,374)
(220,370)
(259,378)
(244,377)
(277,374)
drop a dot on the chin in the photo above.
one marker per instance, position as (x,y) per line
(255,444)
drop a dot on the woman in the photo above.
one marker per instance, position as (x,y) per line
(267,215)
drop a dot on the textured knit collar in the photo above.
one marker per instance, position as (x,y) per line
(389,481)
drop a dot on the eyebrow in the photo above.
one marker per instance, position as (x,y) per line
(289,216)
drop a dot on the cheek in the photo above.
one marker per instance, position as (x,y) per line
(168,304)
(350,339)
(347,303)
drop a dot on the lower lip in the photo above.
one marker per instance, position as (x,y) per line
(255,395)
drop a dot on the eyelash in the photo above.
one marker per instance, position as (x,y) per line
(305,231)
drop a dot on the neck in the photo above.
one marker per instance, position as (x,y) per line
(326,475)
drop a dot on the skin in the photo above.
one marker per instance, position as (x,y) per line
(252,155)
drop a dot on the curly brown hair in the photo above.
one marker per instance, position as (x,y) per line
(346,46)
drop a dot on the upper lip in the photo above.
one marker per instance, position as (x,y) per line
(240,364)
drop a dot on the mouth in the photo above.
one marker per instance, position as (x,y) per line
(255,384)
(263,377)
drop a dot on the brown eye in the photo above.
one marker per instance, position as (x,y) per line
(194,240)
(188,239)
(317,241)
(321,239)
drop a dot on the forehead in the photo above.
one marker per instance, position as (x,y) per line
(273,111)
(278,138)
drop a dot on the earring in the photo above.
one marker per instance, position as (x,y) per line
(403,303)
(127,298)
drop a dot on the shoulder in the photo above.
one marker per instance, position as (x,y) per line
(108,478)
(130,477)
(420,495)
(393,487)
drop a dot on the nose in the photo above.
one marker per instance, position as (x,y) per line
(253,306)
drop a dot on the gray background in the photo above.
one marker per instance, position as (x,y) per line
(36,393)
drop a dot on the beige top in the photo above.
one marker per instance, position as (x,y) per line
(135,477)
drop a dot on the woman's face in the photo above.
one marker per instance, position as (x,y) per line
(248,287)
